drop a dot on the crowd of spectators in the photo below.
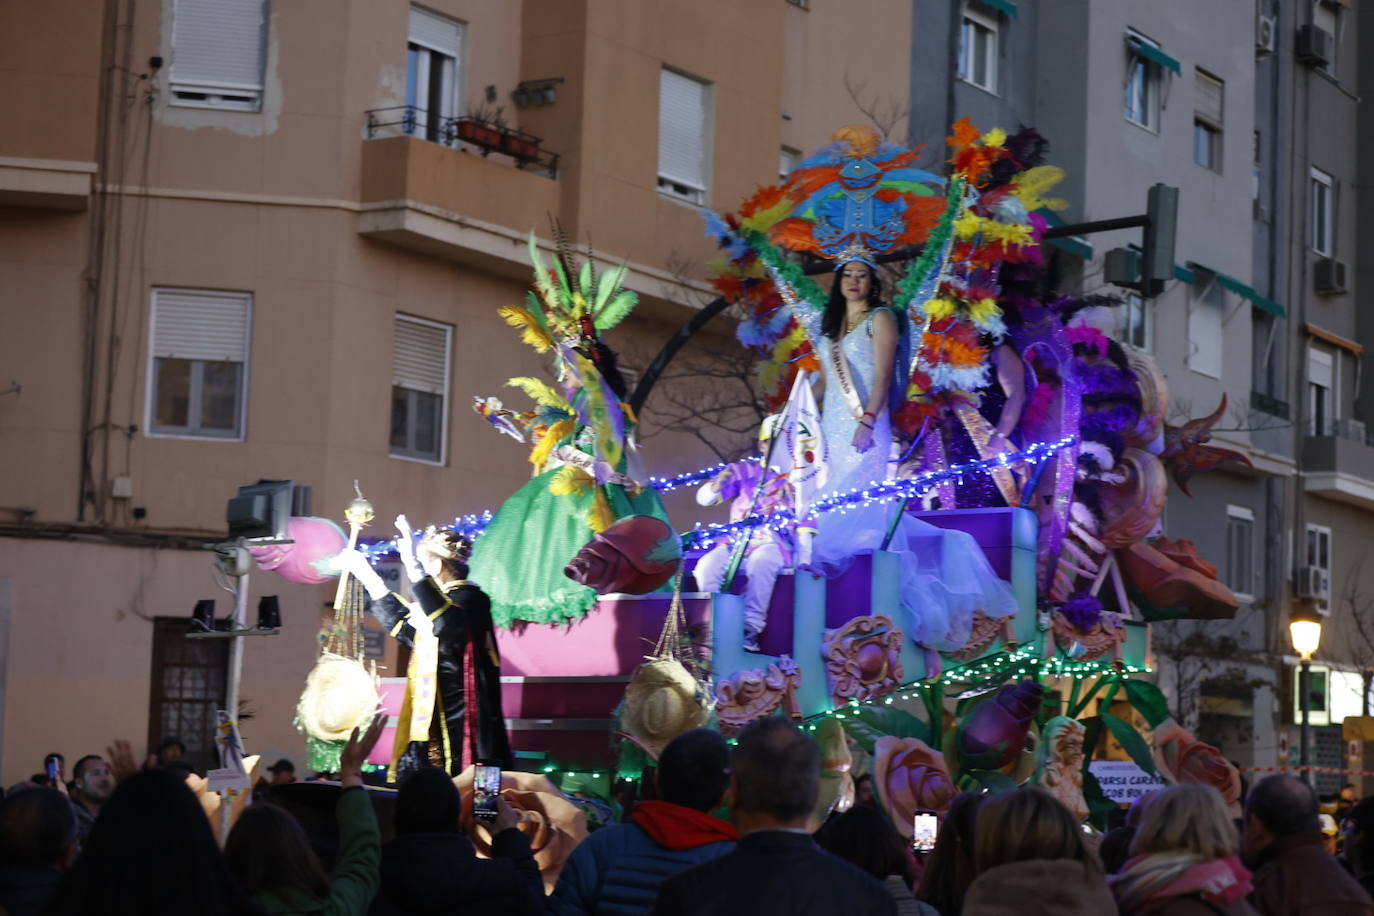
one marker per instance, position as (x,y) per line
(726,830)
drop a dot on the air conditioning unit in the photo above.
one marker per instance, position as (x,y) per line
(1266,35)
(1313,582)
(1328,275)
(1314,45)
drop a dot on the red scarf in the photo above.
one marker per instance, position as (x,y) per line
(677,827)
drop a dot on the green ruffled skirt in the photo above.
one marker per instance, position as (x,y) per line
(518,561)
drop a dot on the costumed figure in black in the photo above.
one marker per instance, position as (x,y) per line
(452,715)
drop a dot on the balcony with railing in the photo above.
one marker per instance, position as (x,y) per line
(459,188)
(1338,461)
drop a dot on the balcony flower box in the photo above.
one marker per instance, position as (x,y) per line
(521,146)
(479,133)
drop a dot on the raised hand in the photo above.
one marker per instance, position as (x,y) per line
(355,752)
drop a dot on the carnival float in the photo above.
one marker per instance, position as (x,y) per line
(946,571)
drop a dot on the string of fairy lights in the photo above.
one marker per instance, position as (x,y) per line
(1020,662)
(892,490)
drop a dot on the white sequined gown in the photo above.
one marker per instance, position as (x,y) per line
(938,607)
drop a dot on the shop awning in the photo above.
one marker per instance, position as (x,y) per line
(1002,6)
(1231,283)
(1075,246)
(1153,54)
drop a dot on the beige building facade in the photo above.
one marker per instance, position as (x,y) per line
(249,239)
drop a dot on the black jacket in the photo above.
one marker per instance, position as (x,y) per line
(24,891)
(439,874)
(774,871)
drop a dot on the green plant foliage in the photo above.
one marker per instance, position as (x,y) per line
(869,724)
(1148,699)
(1130,741)
(993,780)
(1099,805)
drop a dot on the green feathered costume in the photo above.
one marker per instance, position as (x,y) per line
(579,455)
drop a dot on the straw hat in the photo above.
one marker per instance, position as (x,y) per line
(662,701)
(339,696)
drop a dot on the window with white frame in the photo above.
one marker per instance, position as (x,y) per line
(419,388)
(198,363)
(684,136)
(433,49)
(1323,207)
(1204,328)
(1317,554)
(1138,326)
(1143,83)
(1207,120)
(1321,379)
(978,51)
(217,53)
(1240,546)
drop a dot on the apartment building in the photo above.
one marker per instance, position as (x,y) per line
(1129,95)
(242,239)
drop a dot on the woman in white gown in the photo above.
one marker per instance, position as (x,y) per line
(860,339)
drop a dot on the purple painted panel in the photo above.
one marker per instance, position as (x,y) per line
(849,594)
(612,639)
(776,638)
(991,528)
(564,699)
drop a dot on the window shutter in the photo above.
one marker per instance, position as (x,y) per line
(421,356)
(201,325)
(1320,368)
(432,31)
(682,125)
(1210,97)
(218,43)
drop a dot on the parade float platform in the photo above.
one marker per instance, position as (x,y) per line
(561,684)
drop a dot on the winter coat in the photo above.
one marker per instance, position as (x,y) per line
(353,882)
(774,872)
(907,904)
(1296,876)
(439,874)
(617,872)
(25,890)
(1040,887)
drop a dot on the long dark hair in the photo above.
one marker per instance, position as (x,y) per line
(267,851)
(862,836)
(832,324)
(950,869)
(151,852)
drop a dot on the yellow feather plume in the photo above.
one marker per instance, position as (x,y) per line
(540,392)
(995,137)
(1031,185)
(531,333)
(569,481)
(938,308)
(983,310)
(599,516)
(539,455)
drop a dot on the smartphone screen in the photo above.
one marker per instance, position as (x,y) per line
(924,826)
(486,789)
(54,769)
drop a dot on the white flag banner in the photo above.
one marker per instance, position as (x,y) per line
(231,774)
(809,466)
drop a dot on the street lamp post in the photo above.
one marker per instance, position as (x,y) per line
(1305,628)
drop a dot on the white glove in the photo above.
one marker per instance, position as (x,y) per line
(405,545)
(358,566)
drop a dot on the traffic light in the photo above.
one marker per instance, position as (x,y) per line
(1161,227)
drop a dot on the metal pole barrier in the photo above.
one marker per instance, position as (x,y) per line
(231,701)
(1304,686)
